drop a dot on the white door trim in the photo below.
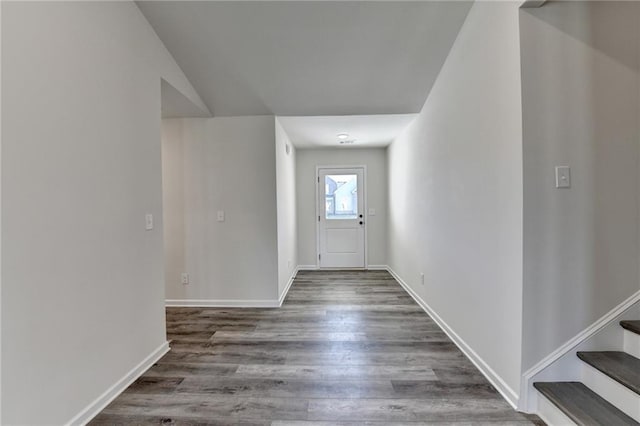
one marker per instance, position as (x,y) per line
(365,214)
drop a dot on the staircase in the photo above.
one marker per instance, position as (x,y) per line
(609,393)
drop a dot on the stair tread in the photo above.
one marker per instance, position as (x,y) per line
(620,366)
(582,405)
(633,326)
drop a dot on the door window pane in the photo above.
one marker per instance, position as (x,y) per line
(341,196)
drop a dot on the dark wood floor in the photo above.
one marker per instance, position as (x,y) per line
(345,348)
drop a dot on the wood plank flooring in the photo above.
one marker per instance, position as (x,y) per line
(346,348)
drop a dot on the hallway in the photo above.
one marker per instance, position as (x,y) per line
(346,346)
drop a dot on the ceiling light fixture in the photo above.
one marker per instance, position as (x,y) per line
(343,136)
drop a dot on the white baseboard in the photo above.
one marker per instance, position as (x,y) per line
(570,345)
(289,284)
(307,267)
(221,303)
(370,267)
(377,267)
(95,407)
(233,303)
(505,390)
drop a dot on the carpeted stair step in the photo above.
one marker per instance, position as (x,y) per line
(582,405)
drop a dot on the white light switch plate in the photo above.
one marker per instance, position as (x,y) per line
(563,177)
(220,215)
(184,278)
(148,222)
(372,212)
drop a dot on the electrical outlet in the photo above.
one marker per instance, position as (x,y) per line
(184,278)
(421,278)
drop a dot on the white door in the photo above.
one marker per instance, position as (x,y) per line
(341,217)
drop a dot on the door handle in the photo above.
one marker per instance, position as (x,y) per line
(361,222)
(360,216)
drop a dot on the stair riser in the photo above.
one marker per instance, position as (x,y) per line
(632,343)
(551,414)
(621,397)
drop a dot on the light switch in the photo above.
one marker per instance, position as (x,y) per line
(563,177)
(148,222)
(372,212)
(220,215)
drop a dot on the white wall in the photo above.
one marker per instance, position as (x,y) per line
(580,63)
(229,164)
(286,206)
(455,193)
(375,188)
(82,280)
(0,216)
(173,202)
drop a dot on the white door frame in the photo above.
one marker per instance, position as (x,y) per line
(365,215)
